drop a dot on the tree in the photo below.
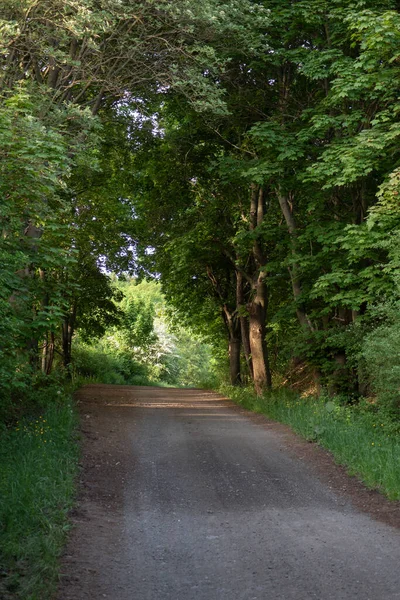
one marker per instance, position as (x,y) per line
(73,60)
(279,124)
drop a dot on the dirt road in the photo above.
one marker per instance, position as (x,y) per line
(187,497)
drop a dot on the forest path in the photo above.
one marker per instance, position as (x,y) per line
(187,497)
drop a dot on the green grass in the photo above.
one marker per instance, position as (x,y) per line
(38,465)
(364,439)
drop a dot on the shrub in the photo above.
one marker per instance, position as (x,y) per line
(381,354)
(94,364)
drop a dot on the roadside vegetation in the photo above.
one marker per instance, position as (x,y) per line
(362,438)
(220,205)
(39,463)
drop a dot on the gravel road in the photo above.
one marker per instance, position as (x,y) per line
(187,497)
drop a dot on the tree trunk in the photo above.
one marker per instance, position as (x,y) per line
(257,306)
(295,276)
(244,322)
(50,357)
(30,231)
(294,270)
(254,330)
(68,329)
(234,361)
(44,353)
(233,327)
(48,342)
(48,353)
(66,343)
(259,352)
(245,333)
(232,324)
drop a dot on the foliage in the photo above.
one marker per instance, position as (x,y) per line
(295,100)
(316,126)
(380,354)
(95,52)
(190,361)
(66,208)
(34,162)
(39,457)
(144,348)
(95,363)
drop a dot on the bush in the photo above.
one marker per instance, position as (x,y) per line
(118,368)
(30,391)
(381,355)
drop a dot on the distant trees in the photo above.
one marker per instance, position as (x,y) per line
(145,346)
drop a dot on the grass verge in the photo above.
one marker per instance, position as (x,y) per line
(364,439)
(38,465)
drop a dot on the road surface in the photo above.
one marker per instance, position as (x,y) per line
(187,497)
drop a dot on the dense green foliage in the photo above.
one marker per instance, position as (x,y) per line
(283,213)
(77,94)
(244,153)
(145,347)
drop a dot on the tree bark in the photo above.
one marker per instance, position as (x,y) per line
(48,353)
(50,357)
(294,270)
(244,322)
(232,323)
(259,352)
(257,306)
(68,329)
(233,327)
(234,361)
(32,232)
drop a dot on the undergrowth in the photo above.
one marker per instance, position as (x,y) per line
(38,458)
(93,365)
(361,437)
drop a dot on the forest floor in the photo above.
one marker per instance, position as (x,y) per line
(184,495)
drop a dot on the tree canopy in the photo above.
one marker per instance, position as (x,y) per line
(245,153)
